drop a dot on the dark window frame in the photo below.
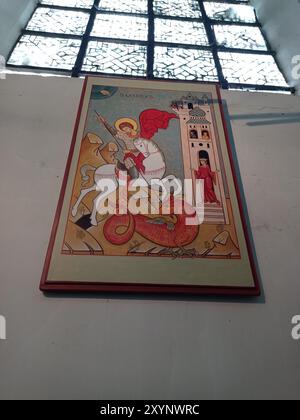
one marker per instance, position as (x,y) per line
(150,44)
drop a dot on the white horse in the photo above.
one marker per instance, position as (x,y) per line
(155,169)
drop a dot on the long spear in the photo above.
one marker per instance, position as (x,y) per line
(134,173)
(109,129)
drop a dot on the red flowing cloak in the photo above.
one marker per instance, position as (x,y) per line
(151,120)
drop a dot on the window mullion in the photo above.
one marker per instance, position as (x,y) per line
(57,7)
(85,40)
(213,43)
(151,40)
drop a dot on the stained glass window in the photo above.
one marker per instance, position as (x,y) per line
(69,3)
(125,6)
(185,64)
(250,69)
(182,32)
(40,51)
(113,58)
(183,8)
(201,40)
(120,27)
(229,12)
(53,20)
(243,37)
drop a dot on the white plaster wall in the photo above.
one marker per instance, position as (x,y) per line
(127,348)
(14,15)
(280,21)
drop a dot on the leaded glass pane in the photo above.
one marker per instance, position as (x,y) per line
(39,51)
(58,21)
(180,63)
(121,27)
(244,37)
(230,12)
(178,24)
(251,69)
(128,6)
(106,57)
(184,8)
(167,30)
(69,3)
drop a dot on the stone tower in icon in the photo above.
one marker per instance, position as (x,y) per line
(199,141)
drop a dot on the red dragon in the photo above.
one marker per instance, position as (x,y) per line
(165,234)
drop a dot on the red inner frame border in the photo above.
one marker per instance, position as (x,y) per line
(79,287)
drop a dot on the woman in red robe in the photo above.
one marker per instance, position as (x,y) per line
(204,172)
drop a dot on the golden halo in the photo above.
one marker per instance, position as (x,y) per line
(126,120)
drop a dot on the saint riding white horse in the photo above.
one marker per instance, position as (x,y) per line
(155,169)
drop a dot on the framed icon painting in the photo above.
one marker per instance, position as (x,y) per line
(150,201)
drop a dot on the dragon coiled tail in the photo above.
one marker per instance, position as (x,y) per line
(118,230)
